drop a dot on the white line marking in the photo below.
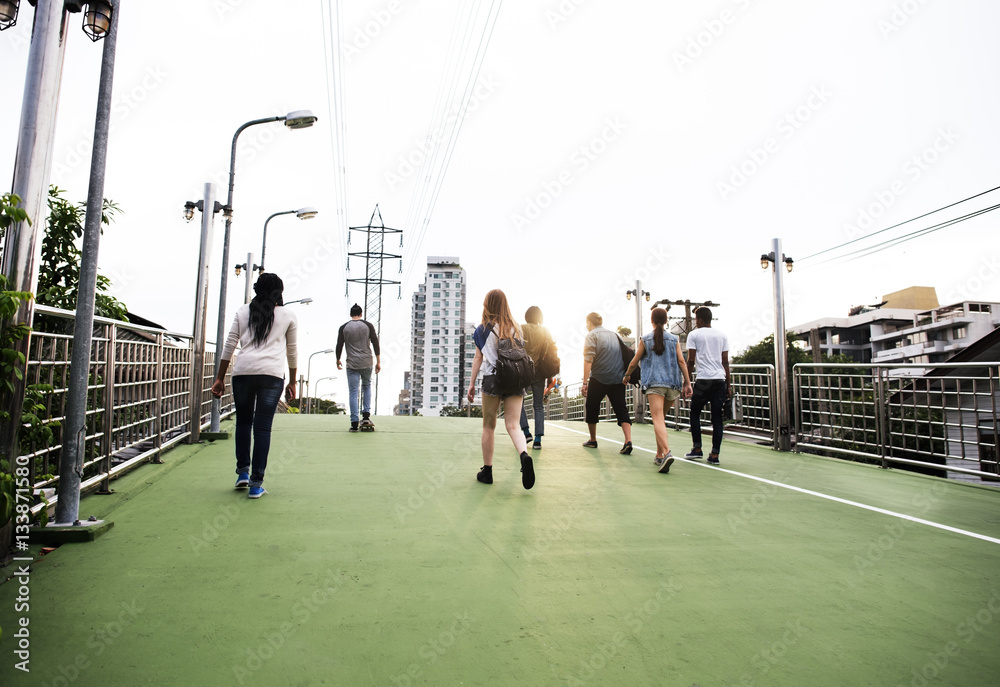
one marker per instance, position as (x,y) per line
(875,509)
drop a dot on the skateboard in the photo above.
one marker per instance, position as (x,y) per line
(367,426)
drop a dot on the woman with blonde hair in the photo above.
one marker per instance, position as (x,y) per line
(498,323)
(661,369)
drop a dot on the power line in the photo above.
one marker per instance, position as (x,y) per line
(864,252)
(912,219)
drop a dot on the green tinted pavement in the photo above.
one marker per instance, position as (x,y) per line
(377,559)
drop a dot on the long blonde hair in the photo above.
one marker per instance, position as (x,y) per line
(497,312)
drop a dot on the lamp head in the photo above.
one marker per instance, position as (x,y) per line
(789,263)
(647,296)
(8,13)
(239,270)
(300,119)
(306,213)
(97,19)
(765,261)
(628,295)
(189,211)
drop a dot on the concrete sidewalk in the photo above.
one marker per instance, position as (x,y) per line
(377,559)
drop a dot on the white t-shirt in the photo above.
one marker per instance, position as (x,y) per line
(709,345)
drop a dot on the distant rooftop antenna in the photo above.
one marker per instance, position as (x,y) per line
(374,279)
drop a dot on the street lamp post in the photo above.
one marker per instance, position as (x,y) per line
(300,119)
(200,304)
(320,380)
(308,377)
(100,20)
(780,343)
(33,162)
(301,213)
(640,411)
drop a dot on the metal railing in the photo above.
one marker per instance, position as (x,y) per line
(137,397)
(754,383)
(940,418)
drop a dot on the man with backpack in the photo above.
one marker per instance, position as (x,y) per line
(603,370)
(542,350)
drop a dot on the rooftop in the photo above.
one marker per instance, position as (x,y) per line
(377,559)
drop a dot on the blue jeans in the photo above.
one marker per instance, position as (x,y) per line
(256,398)
(538,403)
(362,377)
(711,391)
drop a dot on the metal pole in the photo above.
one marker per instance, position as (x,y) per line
(263,242)
(220,332)
(74,429)
(32,167)
(249,285)
(201,315)
(780,346)
(640,414)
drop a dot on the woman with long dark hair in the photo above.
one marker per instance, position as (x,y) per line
(265,331)
(498,324)
(661,364)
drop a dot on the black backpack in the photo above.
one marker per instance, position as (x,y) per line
(514,369)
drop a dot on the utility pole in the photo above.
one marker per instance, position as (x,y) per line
(688,318)
(374,255)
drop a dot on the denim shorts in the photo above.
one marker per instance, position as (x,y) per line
(668,393)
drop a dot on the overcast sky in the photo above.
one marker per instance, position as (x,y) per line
(605,141)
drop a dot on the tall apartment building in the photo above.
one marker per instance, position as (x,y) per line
(438,373)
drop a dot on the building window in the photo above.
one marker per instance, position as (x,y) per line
(435,350)
(960,333)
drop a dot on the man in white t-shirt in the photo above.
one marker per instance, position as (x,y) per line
(708,350)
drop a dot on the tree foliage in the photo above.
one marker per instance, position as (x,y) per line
(455,411)
(59,272)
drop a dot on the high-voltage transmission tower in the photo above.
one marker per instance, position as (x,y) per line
(374,255)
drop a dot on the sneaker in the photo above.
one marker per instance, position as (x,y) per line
(354,426)
(668,460)
(528,438)
(694,454)
(242,480)
(713,459)
(537,445)
(527,471)
(486,475)
(626,449)
(590,444)
(257,492)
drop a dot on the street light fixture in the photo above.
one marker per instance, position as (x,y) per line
(309,376)
(8,13)
(303,301)
(190,206)
(97,19)
(298,119)
(301,213)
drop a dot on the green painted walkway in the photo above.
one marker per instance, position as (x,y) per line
(377,559)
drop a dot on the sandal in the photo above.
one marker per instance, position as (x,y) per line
(590,444)
(626,449)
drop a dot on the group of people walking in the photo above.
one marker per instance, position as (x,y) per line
(665,376)
(266,334)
